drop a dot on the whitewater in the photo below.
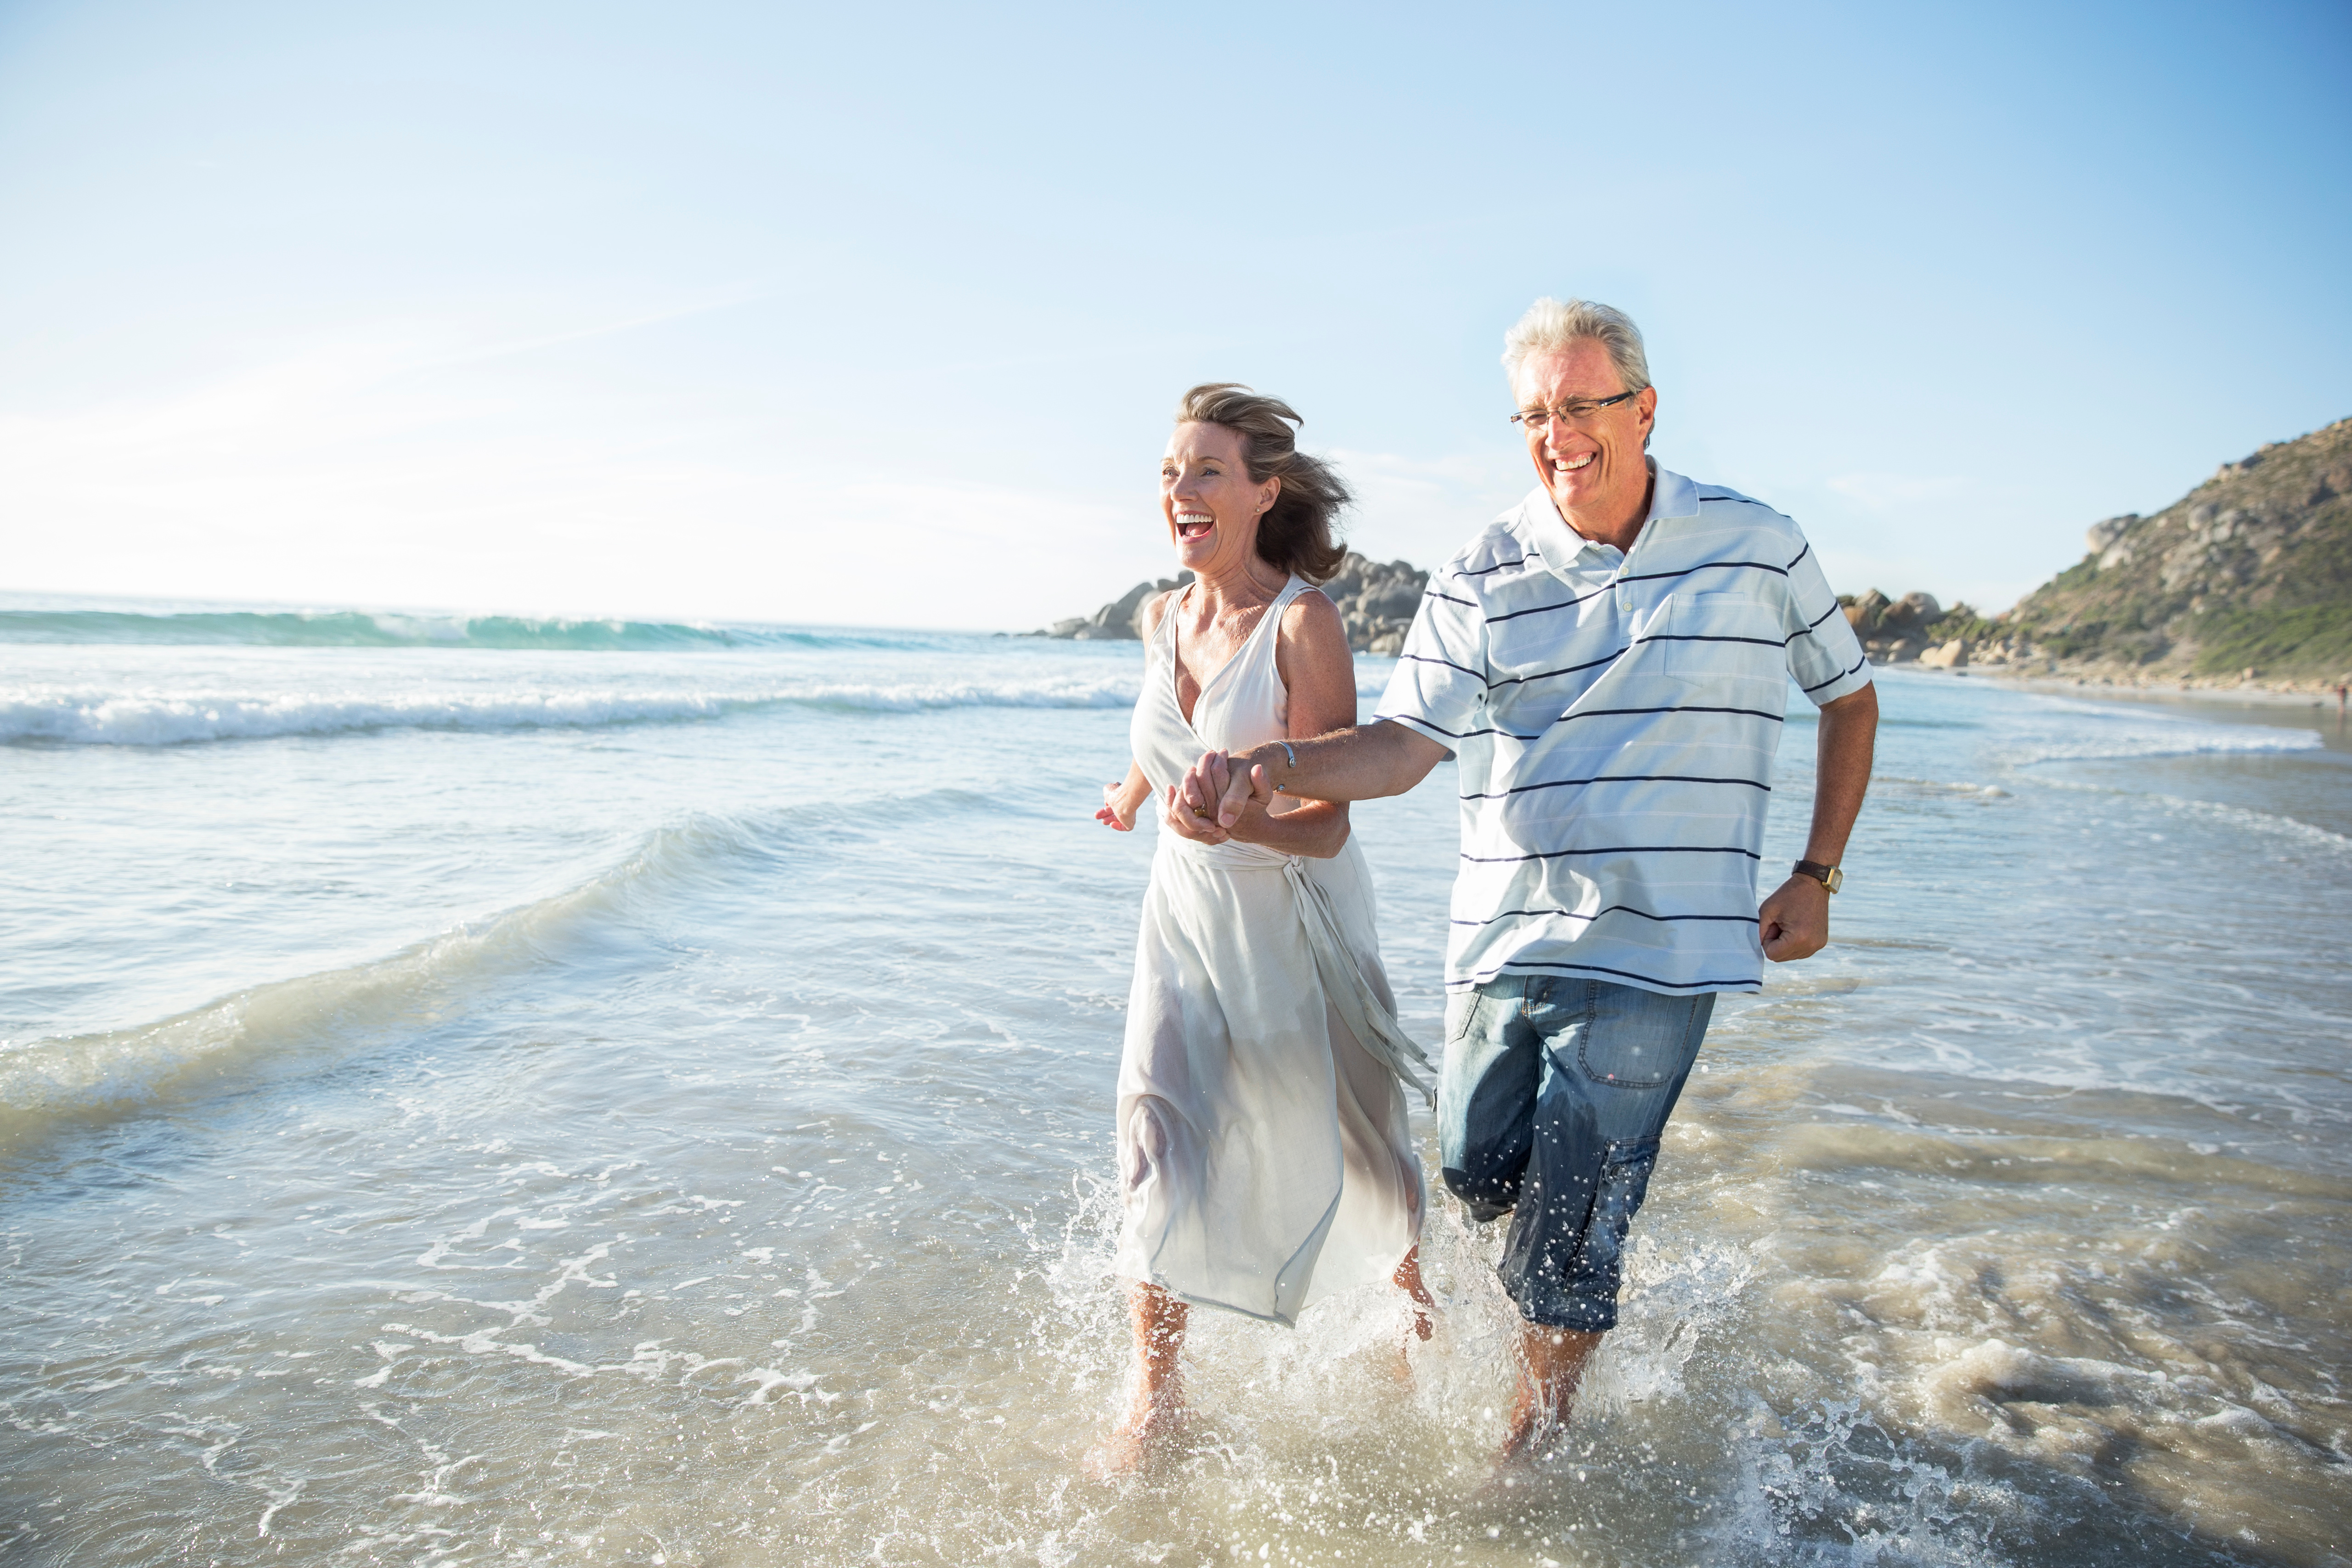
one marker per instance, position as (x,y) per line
(489,1088)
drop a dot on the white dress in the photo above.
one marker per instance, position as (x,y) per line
(1262,1133)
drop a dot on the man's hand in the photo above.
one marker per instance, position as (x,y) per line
(1795,921)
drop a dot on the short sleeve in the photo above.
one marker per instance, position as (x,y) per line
(1439,684)
(1824,656)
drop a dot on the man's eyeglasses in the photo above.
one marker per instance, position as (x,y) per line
(1575,413)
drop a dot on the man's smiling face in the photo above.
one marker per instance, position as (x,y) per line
(1593,469)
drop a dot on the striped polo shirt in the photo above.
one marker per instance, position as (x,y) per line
(1614,717)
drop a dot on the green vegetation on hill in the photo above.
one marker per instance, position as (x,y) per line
(2249,571)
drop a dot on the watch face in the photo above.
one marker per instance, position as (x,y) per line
(1835,879)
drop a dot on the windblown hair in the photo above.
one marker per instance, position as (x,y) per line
(1297,532)
(1549,326)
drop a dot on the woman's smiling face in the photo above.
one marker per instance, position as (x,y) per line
(1212,505)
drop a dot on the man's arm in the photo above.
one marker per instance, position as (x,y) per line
(1795,921)
(1362,761)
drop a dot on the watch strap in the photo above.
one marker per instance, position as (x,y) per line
(1828,876)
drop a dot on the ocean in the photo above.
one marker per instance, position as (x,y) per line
(501,1089)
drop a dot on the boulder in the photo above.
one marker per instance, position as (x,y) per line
(1864,615)
(1952,654)
(2104,535)
(1914,612)
(1376,600)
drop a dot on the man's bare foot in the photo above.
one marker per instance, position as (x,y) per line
(1143,1434)
(1552,1364)
(1530,1428)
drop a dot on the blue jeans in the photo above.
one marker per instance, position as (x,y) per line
(1554,1094)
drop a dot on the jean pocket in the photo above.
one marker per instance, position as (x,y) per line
(1644,1045)
(1461,1014)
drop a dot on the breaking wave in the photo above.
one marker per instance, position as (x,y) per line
(84,718)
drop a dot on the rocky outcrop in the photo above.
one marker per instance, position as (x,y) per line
(1893,631)
(1376,603)
(1120,620)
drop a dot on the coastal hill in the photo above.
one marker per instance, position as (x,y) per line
(2246,579)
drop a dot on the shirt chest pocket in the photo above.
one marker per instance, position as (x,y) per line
(1724,636)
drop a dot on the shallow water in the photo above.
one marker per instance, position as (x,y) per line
(471,1104)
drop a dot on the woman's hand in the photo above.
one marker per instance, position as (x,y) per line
(1122,800)
(1179,816)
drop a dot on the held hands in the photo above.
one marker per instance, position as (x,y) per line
(1794,923)
(1217,790)
(1215,799)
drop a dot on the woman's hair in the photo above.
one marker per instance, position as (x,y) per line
(1297,532)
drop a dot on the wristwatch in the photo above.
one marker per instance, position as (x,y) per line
(1828,876)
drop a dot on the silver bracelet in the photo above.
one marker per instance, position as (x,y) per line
(1291,754)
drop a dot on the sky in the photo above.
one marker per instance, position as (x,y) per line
(876,315)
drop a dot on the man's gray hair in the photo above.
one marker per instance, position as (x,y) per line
(1549,326)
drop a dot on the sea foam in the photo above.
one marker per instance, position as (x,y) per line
(168,718)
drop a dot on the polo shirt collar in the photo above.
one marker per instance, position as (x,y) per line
(1570,555)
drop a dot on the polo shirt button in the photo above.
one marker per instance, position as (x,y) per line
(1625,604)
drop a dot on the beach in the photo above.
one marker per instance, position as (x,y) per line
(600,1093)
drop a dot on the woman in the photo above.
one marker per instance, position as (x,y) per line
(1262,1133)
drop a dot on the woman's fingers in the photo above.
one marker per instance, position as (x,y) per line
(1186,822)
(1204,781)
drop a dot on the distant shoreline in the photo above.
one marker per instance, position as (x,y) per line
(2249,695)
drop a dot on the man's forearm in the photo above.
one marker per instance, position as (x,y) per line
(1848,737)
(1363,761)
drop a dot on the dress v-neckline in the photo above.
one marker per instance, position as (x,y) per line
(1176,667)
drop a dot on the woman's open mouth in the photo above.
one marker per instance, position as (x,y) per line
(1193,524)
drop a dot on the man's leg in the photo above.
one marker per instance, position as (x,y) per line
(1613,1061)
(1486,1098)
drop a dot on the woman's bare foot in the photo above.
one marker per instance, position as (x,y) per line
(1407,1278)
(1157,1412)
(1142,1435)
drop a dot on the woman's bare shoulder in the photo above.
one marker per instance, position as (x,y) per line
(1311,625)
(1153,608)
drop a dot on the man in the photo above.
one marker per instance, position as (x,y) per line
(1609,664)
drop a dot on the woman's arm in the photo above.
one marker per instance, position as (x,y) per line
(1311,653)
(1122,800)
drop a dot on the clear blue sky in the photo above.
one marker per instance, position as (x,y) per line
(876,313)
